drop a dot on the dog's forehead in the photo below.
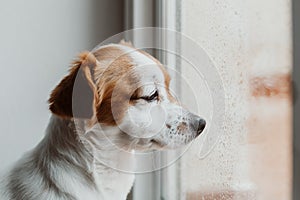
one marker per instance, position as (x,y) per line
(127,59)
(145,66)
(132,68)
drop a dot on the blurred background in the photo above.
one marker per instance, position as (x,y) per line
(250,43)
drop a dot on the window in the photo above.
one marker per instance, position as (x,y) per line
(249,155)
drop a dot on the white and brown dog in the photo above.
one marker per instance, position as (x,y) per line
(114,96)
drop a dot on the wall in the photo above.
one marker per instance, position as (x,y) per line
(38,41)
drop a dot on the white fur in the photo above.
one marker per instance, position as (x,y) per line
(110,183)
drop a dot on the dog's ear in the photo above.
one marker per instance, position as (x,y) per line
(126,43)
(76,95)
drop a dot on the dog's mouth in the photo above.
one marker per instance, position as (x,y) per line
(156,144)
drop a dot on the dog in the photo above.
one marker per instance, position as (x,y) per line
(114,97)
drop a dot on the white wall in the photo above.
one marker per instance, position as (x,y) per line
(38,41)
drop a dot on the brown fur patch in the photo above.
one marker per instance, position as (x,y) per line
(182,127)
(113,67)
(63,98)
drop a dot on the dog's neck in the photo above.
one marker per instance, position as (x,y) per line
(88,155)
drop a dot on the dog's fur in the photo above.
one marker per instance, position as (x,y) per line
(115,97)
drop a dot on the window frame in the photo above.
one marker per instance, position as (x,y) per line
(167,15)
(296,103)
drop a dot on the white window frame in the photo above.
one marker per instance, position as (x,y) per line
(164,14)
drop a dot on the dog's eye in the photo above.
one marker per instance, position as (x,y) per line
(152,97)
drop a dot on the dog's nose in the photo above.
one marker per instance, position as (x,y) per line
(201,125)
(198,124)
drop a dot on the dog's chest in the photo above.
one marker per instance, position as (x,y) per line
(115,185)
(115,179)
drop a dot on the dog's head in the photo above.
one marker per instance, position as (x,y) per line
(120,86)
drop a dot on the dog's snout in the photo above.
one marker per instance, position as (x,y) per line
(201,125)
